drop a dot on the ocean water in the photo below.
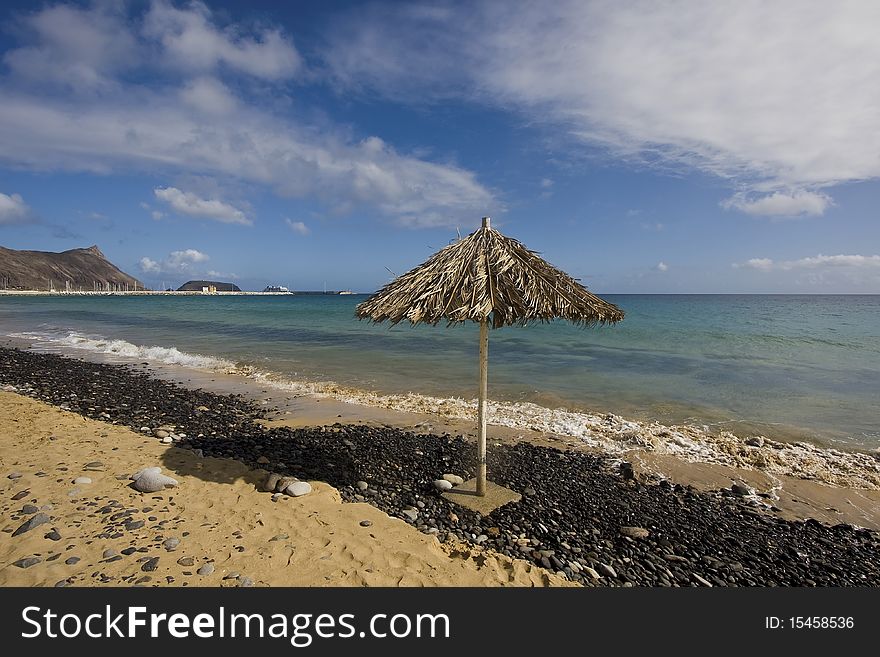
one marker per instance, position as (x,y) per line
(787,366)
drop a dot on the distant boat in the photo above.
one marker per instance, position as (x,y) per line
(276,288)
(346,292)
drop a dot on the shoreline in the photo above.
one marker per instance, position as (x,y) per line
(571,520)
(645,441)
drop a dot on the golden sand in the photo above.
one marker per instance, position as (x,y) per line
(314,540)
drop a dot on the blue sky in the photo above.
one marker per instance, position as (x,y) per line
(641,146)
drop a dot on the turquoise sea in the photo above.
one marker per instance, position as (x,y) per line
(781,365)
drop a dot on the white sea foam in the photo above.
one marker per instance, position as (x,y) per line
(607,432)
(124,349)
(616,435)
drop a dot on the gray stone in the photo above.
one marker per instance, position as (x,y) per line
(442,484)
(246,582)
(529,491)
(109,553)
(82,480)
(93,464)
(741,489)
(262,460)
(152,481)
(453,479)
(33,521)
(171,544)
(271,482)
(412,514)
(298,489)
(53,535)
(27,562)
(279,537)
(606,570)
(282,484)
(160,433)
(186,561)
(233,575)
(635,532)
(362,485)
(591,572)
(701,581)
(150,565)
(14,475)
(366,523)
(29,509)
(70,561)
(755,441)
(131,525)
(206,570)
(20,495)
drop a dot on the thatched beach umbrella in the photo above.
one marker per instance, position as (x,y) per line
(491,279)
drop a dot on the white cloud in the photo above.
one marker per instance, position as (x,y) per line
(297,227)
(78,48)
(176,262)
(192,40)
(189,204)
(208,95)
(546,183)
(817,262)
(116,124)
(13,209)
(222,275)
(157,215)
(149,266)
(776,97)
(764,264)
(662,266)
(781,204)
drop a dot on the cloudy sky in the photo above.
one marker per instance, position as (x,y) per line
(642,146)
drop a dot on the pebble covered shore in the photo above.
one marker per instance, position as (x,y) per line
(580,514)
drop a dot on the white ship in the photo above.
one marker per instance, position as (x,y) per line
(276,289)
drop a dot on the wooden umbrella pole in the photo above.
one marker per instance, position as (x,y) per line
(481,408)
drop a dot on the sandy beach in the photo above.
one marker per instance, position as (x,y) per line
(373,517)
(216,513)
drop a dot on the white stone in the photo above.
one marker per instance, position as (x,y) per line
(168,440)
(442,484)
(453,479)
(298,489)
(153,470)
(153,482)
(82,480)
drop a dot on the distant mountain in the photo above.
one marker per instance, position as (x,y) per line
(85,269)
(198,286)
